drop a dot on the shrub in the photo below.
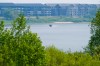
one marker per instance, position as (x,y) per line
(19,46)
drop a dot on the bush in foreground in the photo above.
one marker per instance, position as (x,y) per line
(19,46)
(56,57)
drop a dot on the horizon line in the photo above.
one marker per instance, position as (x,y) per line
(45,3)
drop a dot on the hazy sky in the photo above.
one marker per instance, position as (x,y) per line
(52,1)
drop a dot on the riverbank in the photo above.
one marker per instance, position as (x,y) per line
(63,22)
(53,19)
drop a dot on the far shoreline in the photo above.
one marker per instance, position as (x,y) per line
(68,22)
(63,22)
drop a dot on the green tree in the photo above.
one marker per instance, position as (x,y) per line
(10,14)
(19,46)
(54,56)
(94,41)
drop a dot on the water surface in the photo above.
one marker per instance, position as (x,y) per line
(66,37)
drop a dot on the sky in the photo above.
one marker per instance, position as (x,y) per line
(52,1)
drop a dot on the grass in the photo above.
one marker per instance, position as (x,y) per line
(51,19)
(48,19)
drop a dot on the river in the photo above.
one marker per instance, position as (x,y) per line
(68,37)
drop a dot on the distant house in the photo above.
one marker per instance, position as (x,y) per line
(38,9)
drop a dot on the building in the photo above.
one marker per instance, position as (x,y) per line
(38,9)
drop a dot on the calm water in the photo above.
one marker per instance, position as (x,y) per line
(66,37)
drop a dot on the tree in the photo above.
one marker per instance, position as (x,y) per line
(19,46)
(54,56)
(94,41)
(10,14)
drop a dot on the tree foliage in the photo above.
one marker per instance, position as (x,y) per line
(10,13)
(94,42)
(19,46)
(56,57)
